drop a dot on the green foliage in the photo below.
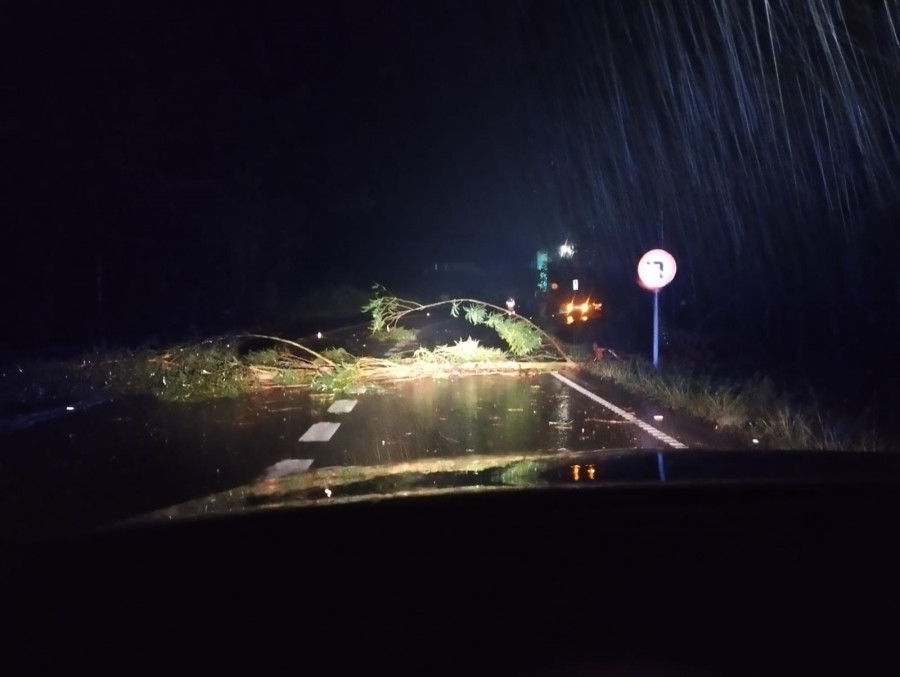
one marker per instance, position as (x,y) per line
(522,338)
(468,350)
(268,357)
(475,314)
(382,308)
(292,377)
(345,376)
(208,370)
(338,355)
(395,334)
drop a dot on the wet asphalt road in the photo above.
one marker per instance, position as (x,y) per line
(123,458)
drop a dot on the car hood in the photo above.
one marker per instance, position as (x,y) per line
(564,469)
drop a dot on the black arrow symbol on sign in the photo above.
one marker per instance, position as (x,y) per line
(660,264)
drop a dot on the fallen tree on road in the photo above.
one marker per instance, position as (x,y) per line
(521,335)
(225,366)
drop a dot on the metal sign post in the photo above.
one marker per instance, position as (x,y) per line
(655,270)
(656,328)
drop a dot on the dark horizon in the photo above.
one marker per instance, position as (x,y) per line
(198,165)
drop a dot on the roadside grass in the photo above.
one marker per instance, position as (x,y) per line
(752,409)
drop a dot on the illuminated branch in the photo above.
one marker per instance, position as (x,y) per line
(294,344)
(388,310)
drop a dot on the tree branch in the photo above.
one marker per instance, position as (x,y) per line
(414,307)
(290,343)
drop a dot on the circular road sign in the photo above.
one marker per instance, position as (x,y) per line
(656,269)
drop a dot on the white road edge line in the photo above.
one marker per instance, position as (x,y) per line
(631,418)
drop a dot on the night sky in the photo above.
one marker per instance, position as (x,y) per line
(200,158)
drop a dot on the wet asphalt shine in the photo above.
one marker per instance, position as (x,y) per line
(127,457)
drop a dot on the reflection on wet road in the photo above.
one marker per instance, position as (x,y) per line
(475,415)
(128,457)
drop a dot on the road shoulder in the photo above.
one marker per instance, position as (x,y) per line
(690,430)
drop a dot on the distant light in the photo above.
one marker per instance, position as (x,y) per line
(318,335)
(328,492)
(570,319)
(427,314)
(574,285)
(755,441)
(657,417)
(70,408)
(510,304)
(566,250)
(554,285)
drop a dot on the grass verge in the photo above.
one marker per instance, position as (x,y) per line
(752,409)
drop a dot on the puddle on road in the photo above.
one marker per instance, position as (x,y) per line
(134,456)
(473,415)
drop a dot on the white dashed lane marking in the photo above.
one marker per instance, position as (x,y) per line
(289,466)
(631,418)
(341,406)
(325,430)
(320,432)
